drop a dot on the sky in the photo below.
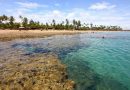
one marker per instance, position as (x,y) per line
(100,12)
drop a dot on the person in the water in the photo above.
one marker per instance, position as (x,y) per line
(103,37)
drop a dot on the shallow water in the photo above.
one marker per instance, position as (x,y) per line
(93,62)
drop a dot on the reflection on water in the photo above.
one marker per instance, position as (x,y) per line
(87,57)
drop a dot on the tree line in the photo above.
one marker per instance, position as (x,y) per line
(8,22)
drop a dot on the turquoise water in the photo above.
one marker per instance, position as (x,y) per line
(93,62)
(104,65)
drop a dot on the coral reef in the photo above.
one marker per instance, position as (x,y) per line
(40,72)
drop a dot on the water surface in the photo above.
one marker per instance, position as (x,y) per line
(93,62)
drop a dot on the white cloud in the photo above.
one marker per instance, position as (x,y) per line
(30,5)
(105,18)
(58,15)
(102,6)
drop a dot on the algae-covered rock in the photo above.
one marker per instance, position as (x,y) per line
(42,72)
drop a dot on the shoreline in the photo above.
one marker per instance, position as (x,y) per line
(7,35)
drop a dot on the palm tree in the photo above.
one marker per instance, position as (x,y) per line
(78,24)
(74,24)
(31,24)
(1,18)
(54,24)
(25,22)
(11,20)
(91,26)
(21,24)
(67,24)
(5,18)
(47,26)
(3,22)
(37,25)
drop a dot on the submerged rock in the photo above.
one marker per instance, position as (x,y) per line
(43,72)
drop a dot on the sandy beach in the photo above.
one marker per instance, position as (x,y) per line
(6,35)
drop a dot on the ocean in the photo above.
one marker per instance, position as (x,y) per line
(94,60)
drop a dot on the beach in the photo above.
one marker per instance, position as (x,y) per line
(64,45)
(6,35)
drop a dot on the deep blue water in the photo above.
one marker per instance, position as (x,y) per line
(93,62)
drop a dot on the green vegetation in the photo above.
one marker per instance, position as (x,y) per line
(9,23)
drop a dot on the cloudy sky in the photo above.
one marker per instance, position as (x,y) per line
(106,12)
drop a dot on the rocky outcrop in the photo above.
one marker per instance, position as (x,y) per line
(43,72)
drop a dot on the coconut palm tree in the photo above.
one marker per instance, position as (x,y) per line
(11,20)
(74,24)
(25,22)
(67,24)
(54,24)
(78,24)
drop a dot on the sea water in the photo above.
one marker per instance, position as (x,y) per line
(104,65)
(94,60)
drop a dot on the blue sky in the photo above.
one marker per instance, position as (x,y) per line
(106,12)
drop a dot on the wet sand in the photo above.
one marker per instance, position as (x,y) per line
(6,35)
